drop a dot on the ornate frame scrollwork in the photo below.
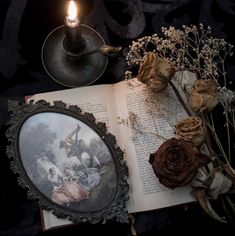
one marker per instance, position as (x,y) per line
(84,181)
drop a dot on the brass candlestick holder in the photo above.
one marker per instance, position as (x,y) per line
(75,69)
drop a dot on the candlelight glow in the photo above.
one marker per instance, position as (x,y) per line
(72,12)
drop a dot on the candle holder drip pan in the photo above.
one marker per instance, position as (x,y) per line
(73,70)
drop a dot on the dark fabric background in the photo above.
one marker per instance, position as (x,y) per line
(24,24)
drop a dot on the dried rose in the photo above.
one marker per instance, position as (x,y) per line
(204,95)
(191,129)
(155,72)
(175,163)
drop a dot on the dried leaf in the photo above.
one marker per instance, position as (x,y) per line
(132,221)
(220,184)
(229,209)
(214,214)
(231,204)
(202,198)
(200,179)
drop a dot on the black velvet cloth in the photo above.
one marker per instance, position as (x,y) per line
(24,25)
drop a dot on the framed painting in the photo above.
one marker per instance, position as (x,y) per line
(68,161)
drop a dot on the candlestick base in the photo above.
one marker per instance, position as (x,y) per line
(73,70)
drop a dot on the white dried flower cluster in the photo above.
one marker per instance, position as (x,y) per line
(192,48)
(133,122)
(128,75)
(226,96)
(137,50)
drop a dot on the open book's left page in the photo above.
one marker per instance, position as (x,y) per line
(94,99)
(51,221)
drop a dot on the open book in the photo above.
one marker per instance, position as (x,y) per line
(114,103)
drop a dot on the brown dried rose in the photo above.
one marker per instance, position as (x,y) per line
(203,95)
(155,72)
(191,129)
(175,163)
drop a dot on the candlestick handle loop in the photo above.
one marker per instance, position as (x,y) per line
(109,49)
(104,49)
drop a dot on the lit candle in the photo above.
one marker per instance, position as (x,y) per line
(74,41)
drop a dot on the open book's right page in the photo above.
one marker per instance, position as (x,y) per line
(152,118)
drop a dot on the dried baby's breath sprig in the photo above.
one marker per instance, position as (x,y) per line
(192,48)
(226,98)
(128,75)
(133,122)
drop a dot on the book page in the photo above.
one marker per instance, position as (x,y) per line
(156,117)
(94,99)
(50,220)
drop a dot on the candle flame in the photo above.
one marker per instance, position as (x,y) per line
(72,12)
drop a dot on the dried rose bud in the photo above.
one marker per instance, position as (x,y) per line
(191,129)
(175,163)
(155,72)
(204,95)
